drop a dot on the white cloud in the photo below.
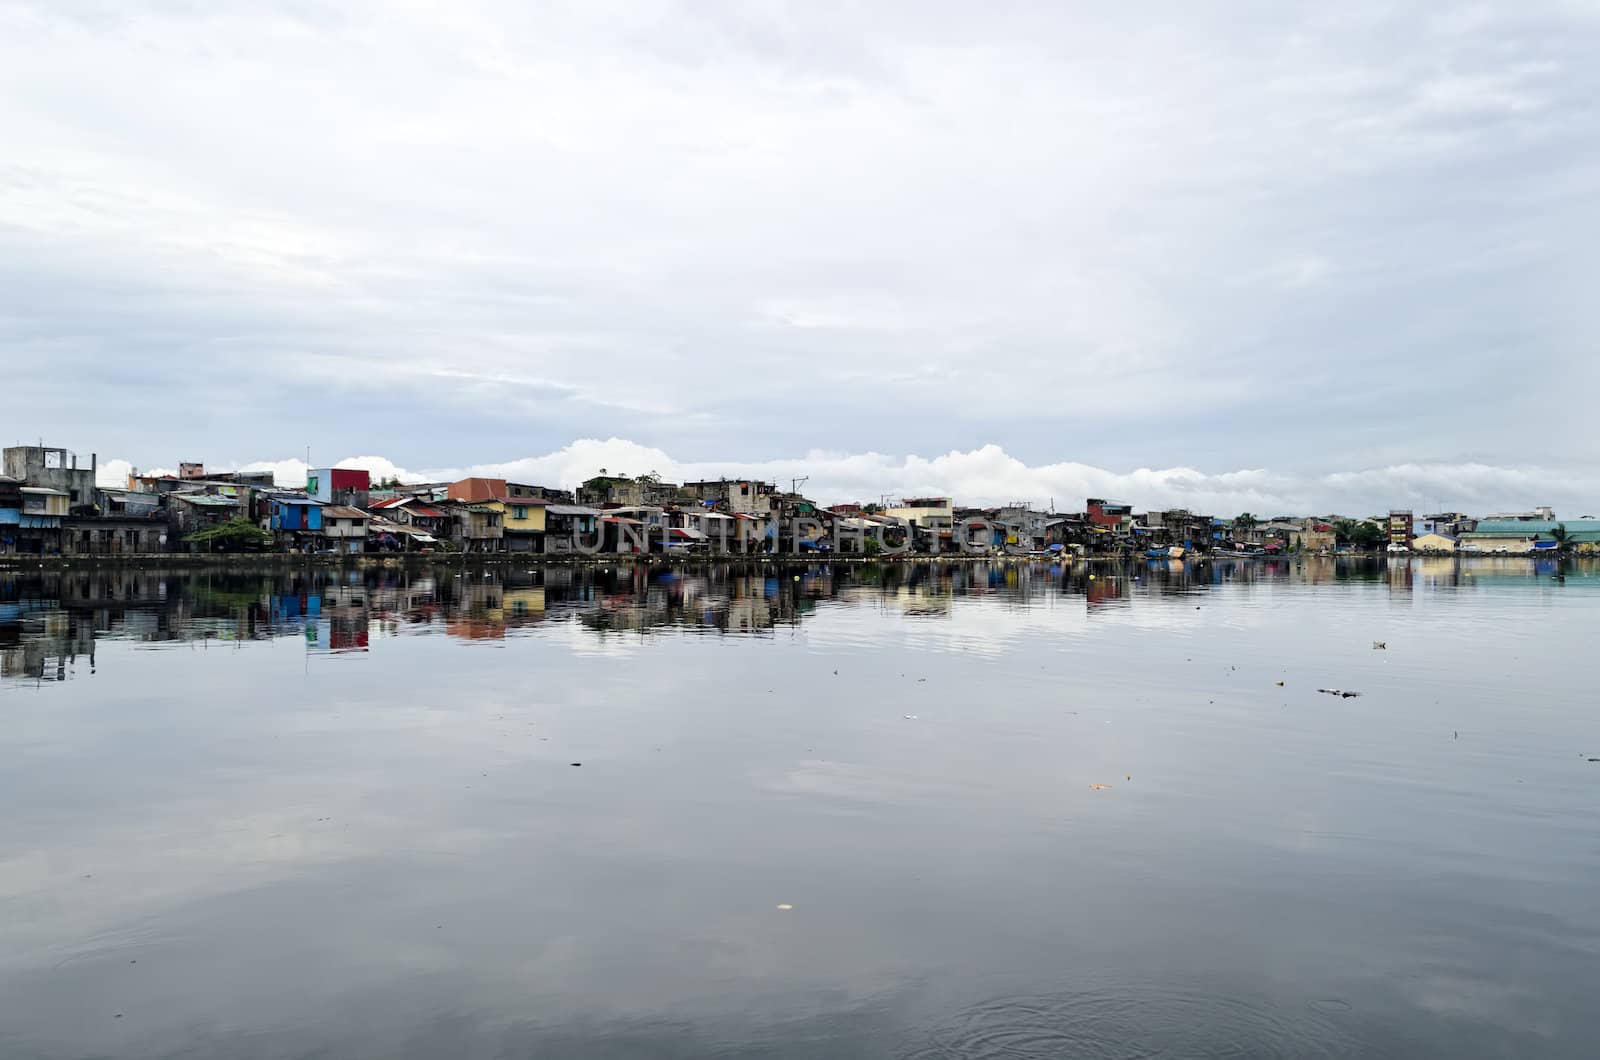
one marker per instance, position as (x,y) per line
(114,473)
(989,475)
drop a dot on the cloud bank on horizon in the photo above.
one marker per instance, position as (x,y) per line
(990,476)
(1305,237)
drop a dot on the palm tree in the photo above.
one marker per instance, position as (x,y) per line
(1563,537)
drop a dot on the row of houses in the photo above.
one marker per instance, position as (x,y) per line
(1500,533)
(51,504)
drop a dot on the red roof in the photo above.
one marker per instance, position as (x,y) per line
(415,505)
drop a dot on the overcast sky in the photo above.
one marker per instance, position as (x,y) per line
(1298,256)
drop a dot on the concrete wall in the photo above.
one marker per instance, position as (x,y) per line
(55,469)
(1514,544)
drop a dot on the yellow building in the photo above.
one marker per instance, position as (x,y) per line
(1432,542)
(524,602)
(524,523)
(522,516)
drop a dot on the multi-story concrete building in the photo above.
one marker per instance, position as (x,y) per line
(1028,525)
(1543,513)
(339,485)
(1401,527)
(1105,515)
(737,496)
(44,467)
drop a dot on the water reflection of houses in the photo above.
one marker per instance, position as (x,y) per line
(51,620)
(724,599)
(344,619)
(41,642)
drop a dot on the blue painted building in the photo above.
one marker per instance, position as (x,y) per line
(295,515)
(10,513)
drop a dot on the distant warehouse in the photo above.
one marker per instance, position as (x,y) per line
(1522,536)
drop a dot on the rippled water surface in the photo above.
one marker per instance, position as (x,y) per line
(923,812)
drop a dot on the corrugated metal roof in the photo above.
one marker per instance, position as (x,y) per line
(570,509)
(1577,529)
(344,513)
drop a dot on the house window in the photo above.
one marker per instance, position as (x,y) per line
(519,512)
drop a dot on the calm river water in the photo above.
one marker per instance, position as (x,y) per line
(923,812)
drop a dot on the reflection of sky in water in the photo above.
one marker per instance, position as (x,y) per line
(340,813)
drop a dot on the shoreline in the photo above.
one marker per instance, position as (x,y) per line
(279,560)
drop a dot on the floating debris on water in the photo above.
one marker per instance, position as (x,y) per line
(1099,787)
(1338,692)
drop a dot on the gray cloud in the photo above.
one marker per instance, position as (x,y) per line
(1299,237)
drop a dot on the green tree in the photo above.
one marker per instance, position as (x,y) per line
(1563,538)
(235,535)
(1364,534)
